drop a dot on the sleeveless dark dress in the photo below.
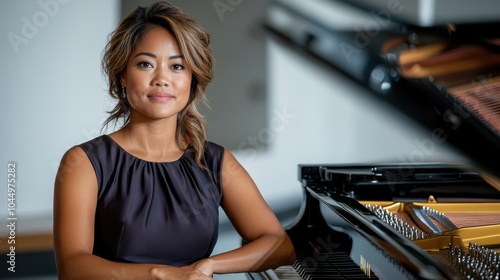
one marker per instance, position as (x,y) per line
(154,212)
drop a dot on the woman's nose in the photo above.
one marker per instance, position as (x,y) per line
(162,77)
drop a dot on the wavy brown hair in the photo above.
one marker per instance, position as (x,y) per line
(193,42)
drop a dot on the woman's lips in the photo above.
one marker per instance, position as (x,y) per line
(160,96)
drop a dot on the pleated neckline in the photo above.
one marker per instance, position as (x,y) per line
(141,159)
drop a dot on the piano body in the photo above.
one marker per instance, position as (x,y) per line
(404,220)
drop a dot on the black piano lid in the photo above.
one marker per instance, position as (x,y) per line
(401,182)
(402,174)
(425,99)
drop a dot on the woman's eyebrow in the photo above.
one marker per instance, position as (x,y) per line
(146,54)
(154,55)
(177,56)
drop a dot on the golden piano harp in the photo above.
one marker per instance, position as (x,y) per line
(404,220)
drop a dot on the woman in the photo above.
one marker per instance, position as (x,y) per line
(142,202)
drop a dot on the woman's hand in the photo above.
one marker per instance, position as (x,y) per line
(204,266)
(181,273)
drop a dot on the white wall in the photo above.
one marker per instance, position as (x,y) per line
(52,94)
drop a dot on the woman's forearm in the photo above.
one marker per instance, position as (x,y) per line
(267,251)
(87,266)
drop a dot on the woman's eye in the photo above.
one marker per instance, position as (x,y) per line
(145,64)
(177,67)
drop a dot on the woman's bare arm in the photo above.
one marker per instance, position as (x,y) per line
(269,246)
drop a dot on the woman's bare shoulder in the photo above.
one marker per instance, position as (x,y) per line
(75,165)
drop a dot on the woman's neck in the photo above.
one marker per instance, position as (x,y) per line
(151,140)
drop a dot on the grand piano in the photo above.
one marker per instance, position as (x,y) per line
(403,220)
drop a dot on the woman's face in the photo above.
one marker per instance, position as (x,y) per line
(157,79)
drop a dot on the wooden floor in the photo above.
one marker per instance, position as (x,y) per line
(33,242)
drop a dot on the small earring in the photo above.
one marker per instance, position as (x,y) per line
(124,93)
